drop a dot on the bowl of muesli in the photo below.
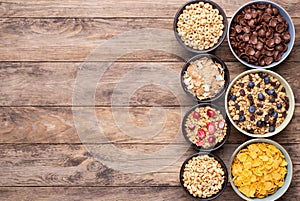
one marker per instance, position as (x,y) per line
(259,103)
(203,176)
(205,78)
(206,127)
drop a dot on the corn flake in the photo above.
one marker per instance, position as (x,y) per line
(259,170)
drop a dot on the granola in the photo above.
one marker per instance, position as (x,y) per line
(258,103)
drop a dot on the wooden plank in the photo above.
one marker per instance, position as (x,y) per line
(73,39)
(155,84)
(72,165)
(116,193)
(107,193)
(56,125)
(113,8)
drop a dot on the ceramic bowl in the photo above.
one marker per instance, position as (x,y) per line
(223,166)
(288,177)
(289,94)
(221,39)
(290,44)
(186,129)
(217,95)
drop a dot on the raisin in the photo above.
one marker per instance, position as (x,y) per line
(242,92)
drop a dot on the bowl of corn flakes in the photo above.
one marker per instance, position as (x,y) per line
(200,26)
(260,169)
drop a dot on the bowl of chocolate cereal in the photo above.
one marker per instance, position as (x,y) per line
(261,34)
(200,26)
(203,176)
(205,78)
(259,103)
(206,127)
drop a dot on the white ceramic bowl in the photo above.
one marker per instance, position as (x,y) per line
(289,93)
(291,31)
(288,176)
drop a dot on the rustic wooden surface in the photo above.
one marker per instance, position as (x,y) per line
(42,47)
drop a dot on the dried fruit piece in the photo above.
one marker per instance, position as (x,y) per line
(201,133)
(199,143)
(196,115)
(191,126)
(211,139)
(221,124)
(211,127)
(211,113)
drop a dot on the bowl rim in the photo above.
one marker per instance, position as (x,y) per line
(223,165)
(226,77)
(291,103)
(219,144)
(288,179)
(221,40)
(290,44)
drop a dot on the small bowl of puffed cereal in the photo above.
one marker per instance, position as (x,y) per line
(206,127)
(205,78)
(203,176)
(200,26)
(259,103)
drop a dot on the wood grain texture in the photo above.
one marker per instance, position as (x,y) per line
(43,47)
(56,125)
(76,39)
(53,84)
(117,193)
(100,193)
(113,8)
(73,165)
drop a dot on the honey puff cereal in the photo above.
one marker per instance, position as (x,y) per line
(200,26)
(203,176)
(259,170)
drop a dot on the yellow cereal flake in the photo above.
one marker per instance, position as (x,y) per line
(259,170)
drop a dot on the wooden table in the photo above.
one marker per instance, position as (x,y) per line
(44,46)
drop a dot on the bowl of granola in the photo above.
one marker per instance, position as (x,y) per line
(259,103)
(203,176)
(200,26)
(206,127)
(205,78)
